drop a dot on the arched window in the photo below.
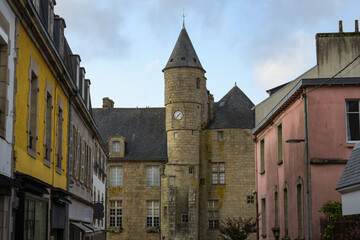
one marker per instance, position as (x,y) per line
(300,207)
(286,216)
(116,146)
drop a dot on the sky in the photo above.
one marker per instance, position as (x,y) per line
(257,44)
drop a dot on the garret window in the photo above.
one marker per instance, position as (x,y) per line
(116,146)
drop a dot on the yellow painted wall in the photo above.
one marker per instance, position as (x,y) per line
(25,163)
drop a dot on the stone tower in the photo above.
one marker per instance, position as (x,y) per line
(186,112)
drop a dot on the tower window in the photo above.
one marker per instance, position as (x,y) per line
(191,170)
(182,58)
(213,214)
(220,136)
(175,134)
(184,218)
(171,60)
(194,59)
(198,83)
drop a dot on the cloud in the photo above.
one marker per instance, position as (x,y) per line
(288,63)
(151,67)
(90,23)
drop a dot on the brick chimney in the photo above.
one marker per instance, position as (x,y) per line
(107,103)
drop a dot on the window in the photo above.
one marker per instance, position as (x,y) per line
(300,207)
(263,216)
(191,170)
(48,124)
(152,213)
(198,83)
(220,136)
(353,120)
(35,219)
(184,218)
(4,78)
(276,198)
(250,199)
(73,151)
(59,140)
(116,176)
(82,160)
(286,215)
(115,213)
(213,214)
(262,156)
(152,176)
(116,146)
(33,108)
(175,134)
(218,173)
(280,144)
(165,210)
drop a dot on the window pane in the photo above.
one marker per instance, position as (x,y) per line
(222,178)
(214,178)
(222,167)
(116,146)
(352,106)
(214,167)
(353,126)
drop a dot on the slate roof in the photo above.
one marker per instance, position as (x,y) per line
(183,54)
(142,128)
(351,174)
(233,111)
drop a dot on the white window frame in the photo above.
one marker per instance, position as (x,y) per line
(218,173)
(152,175)
(116,146)
(115,213)
(116,176)
(152,213)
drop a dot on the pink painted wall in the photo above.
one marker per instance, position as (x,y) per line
(289,171)
(327,140)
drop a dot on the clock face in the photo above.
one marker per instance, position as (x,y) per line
(178,115)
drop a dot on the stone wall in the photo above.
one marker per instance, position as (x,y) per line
(134,193)
(237,152)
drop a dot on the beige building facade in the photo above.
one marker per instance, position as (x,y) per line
(177,172)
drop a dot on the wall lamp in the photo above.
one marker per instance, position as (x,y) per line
(295,140)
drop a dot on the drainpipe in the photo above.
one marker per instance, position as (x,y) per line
(68,162)
(307,166)
(162,174)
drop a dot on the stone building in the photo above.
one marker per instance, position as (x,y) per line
(176,172)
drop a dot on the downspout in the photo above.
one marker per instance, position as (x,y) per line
(68,164)
(162,174)
(256,194)
(307,166)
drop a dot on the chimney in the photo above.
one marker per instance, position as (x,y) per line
(59,38)
(356,25)
(108,103)
(340,27)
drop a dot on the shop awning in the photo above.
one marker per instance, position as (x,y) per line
(6,181)
(95,229)
(84,229)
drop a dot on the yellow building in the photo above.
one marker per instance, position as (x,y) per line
(42,94)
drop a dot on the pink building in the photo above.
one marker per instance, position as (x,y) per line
(305,131)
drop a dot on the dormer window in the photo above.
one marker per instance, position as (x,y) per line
(116,146)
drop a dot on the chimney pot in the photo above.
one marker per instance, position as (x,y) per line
(340,27)
(356,25)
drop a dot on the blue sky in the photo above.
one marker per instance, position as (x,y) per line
(259,44)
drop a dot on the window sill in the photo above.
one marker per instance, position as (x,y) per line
(47,163)
(32,153)
(262,172)
(59,170)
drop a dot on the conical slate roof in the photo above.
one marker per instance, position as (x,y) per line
(233,111)
(184,54)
